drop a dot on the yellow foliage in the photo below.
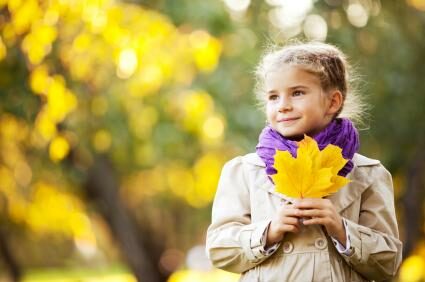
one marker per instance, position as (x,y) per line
(38,43)
(102,140)
(3,49)
(12,130)
(23,14)
(142,119)
(205,276)
(15,173)
(82,42)
(51,210)
(196,185)
(96,40)
(418,4)
(154,182)
(180,180)
(99,105)
(39,79)
(206,50)
(207,172)
(89,275)
(145,154)
(7,187)
(150,79)
(59,148)
(44,125)
(60,100)
(127,63)
(312,174)
(213,129)
(195,107)
(22,173)
(413,269)
(13,133)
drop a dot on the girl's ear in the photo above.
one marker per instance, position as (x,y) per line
(335,101)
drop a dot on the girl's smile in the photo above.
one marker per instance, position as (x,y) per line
(287,120)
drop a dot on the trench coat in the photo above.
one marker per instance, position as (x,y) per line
(245,203)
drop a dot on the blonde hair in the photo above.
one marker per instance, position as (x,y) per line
(322,59)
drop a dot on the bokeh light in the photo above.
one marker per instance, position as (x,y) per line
(315,27)
(357,15)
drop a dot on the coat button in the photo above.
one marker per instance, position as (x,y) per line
(287,247)
(320,243)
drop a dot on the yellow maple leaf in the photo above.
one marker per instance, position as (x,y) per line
(312,174)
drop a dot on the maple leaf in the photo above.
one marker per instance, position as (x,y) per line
(312,174)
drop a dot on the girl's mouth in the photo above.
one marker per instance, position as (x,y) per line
(287,119)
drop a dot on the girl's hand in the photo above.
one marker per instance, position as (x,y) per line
(286,220)
(322,211)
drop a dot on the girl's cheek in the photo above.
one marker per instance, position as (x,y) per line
(271,111)
(272,105)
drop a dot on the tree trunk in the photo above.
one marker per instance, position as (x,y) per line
(102,187)
(412,201)
(9,261)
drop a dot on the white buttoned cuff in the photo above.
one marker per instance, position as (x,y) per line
(253,240)
(271,249)
(340,248)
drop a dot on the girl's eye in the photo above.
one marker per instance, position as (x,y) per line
(297,93)
(273,97)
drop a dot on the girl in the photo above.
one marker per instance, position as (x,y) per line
(351,235)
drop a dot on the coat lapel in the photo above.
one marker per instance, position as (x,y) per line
(352,191)
(264,183)
(360,181)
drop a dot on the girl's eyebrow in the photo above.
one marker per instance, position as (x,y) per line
(298,86)
(273,91)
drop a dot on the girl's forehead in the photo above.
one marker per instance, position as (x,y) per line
(290,76)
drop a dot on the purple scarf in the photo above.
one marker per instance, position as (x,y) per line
(340,132)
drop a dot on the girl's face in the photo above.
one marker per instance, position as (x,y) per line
(297,104)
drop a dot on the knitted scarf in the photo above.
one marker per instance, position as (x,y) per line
(340,132)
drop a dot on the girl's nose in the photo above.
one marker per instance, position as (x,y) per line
(285,105)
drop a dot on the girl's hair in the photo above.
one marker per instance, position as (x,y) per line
(322,59)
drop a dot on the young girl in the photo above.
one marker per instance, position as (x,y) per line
(351,235)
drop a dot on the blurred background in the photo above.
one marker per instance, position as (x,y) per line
(117,116)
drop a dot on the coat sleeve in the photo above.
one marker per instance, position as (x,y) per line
(376,250)
(234,243)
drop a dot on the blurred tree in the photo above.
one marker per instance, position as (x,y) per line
(81,105)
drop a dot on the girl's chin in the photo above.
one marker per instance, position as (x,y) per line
(292,137)
(295,137)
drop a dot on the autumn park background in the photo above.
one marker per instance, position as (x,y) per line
(117,116)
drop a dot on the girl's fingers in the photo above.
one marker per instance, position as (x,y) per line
(314,213)
(290,221)
(309,203)
(312,203)
(313,221)
(294,229)
(289,210)
(291,228)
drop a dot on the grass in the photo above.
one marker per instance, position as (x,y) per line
(112,274)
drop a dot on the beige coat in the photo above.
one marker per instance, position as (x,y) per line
(245,202)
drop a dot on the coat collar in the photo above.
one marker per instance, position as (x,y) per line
(358,160)
(360,181)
